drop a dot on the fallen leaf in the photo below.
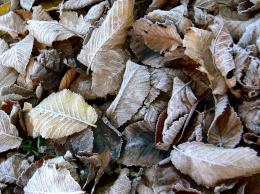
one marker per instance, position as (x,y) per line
(251,139)
(67,79)
(209,165)
(111,33)
(27,4)
(226,128)
(59,115)
(47,32)
(5,7)
(50,179)
(8,76)
(12,24)
(133,91)
(9,138)
(178,110)
(139,149)
(40,14)
(18,55)
(96,11)
(77,4)
(11,168)
(221,51)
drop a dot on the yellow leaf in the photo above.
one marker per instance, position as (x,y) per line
(4,8)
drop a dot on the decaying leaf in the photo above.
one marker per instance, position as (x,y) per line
(197,42)
(96,11)
(209,165)
(60,115)
(140,148)
(160,38)
(12,24)
(178,110)
(134,89)
(220,48)
(3,46)
(226,128)
(52,179)
(18,55)
(11,168)
(40,14)
(251,139)
(9,138)
(110,34)
(250,112)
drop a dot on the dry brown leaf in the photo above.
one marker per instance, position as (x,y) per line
(12,24)
(249,112)
(59,115)
(68,78)
(178,110)
(96,11)
(158,37)
(248,6)
(108,72)
(122,185)
(197,42)
(40,14)
(3,46)
(175,15)
(226,128)
(8,76)
(77,4)
(52,179)
(160,4)
(12,167)
(140,148)
(82,85)
(111,33)
(202,18)
(9,138)
(209,165)
(209,5)
(47,32)
(18,55)
(133,91)
(251,139)
(221,51)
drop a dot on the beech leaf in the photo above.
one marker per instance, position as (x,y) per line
(18,56)
(209,165)
(60,114)
(9,138)
(133,91)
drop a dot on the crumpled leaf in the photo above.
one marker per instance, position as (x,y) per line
(47,32)
(75,23)
(48,69)
(209,165)
(77,4)
(52,179)
(96,11)
(9,138)
(158,37)
(18,55)
(133,91)
(111,33)
(249,112)
(108,72)
(251,139)
(178,110)
(8,76)
(26,4)
(247,68)
(140,148)
(68,78)
(248,6)
(221,51)
(11,168)
(12,24)
(59,115)
(3,46)
(107,137)
(226,128)
(209,5)
(40,14)
(197,42)
(122,184)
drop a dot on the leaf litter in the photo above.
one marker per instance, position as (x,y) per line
(129,96)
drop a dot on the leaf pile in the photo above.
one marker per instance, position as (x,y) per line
(129,96)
